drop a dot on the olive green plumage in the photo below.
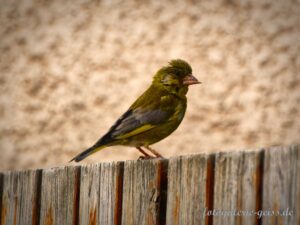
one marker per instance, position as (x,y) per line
(154,115)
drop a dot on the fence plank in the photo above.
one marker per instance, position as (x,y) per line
(89,194)
(187,190)
(142,192)
(281,189)
(100,194)
(59,196)
(111,193)
(19,198)
(236,185)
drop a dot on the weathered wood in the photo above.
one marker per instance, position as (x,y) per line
(1,194)
(101,194)
(281,186)
(142,192)
(233,186)
(59,196)
(111,183)
(187,177)
(19,197)
(89,194)
(237,181)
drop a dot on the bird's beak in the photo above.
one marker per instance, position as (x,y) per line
(190,79)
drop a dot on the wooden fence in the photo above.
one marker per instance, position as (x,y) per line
(245,187)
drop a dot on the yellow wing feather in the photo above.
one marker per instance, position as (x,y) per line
(136,131)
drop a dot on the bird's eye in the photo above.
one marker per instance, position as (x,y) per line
(166,82)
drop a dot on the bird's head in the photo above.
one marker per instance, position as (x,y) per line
(175,77)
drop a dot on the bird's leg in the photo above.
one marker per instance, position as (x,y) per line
(154,152)
(145,154)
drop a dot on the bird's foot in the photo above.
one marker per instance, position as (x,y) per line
(144,157)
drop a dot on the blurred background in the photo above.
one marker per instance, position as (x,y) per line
(69,69)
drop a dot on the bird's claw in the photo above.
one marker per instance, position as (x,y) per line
(144,157)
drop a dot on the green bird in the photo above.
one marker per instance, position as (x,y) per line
(154,115)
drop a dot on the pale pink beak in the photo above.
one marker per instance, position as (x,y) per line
(190,79)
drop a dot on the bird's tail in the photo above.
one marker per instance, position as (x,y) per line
(87,152)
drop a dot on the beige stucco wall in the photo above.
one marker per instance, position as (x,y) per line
(69,70)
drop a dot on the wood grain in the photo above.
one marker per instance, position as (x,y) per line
(111,186)
(187,190)
(142,192)
(281,186)
(59,196)
(101,194)
(89,194)
(237,178)
(234,187)
(19,197)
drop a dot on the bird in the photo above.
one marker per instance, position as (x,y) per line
(154,115)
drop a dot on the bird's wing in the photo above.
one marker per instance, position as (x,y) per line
(137,121)
(152,108)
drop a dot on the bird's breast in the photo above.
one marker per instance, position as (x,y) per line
(180,111)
